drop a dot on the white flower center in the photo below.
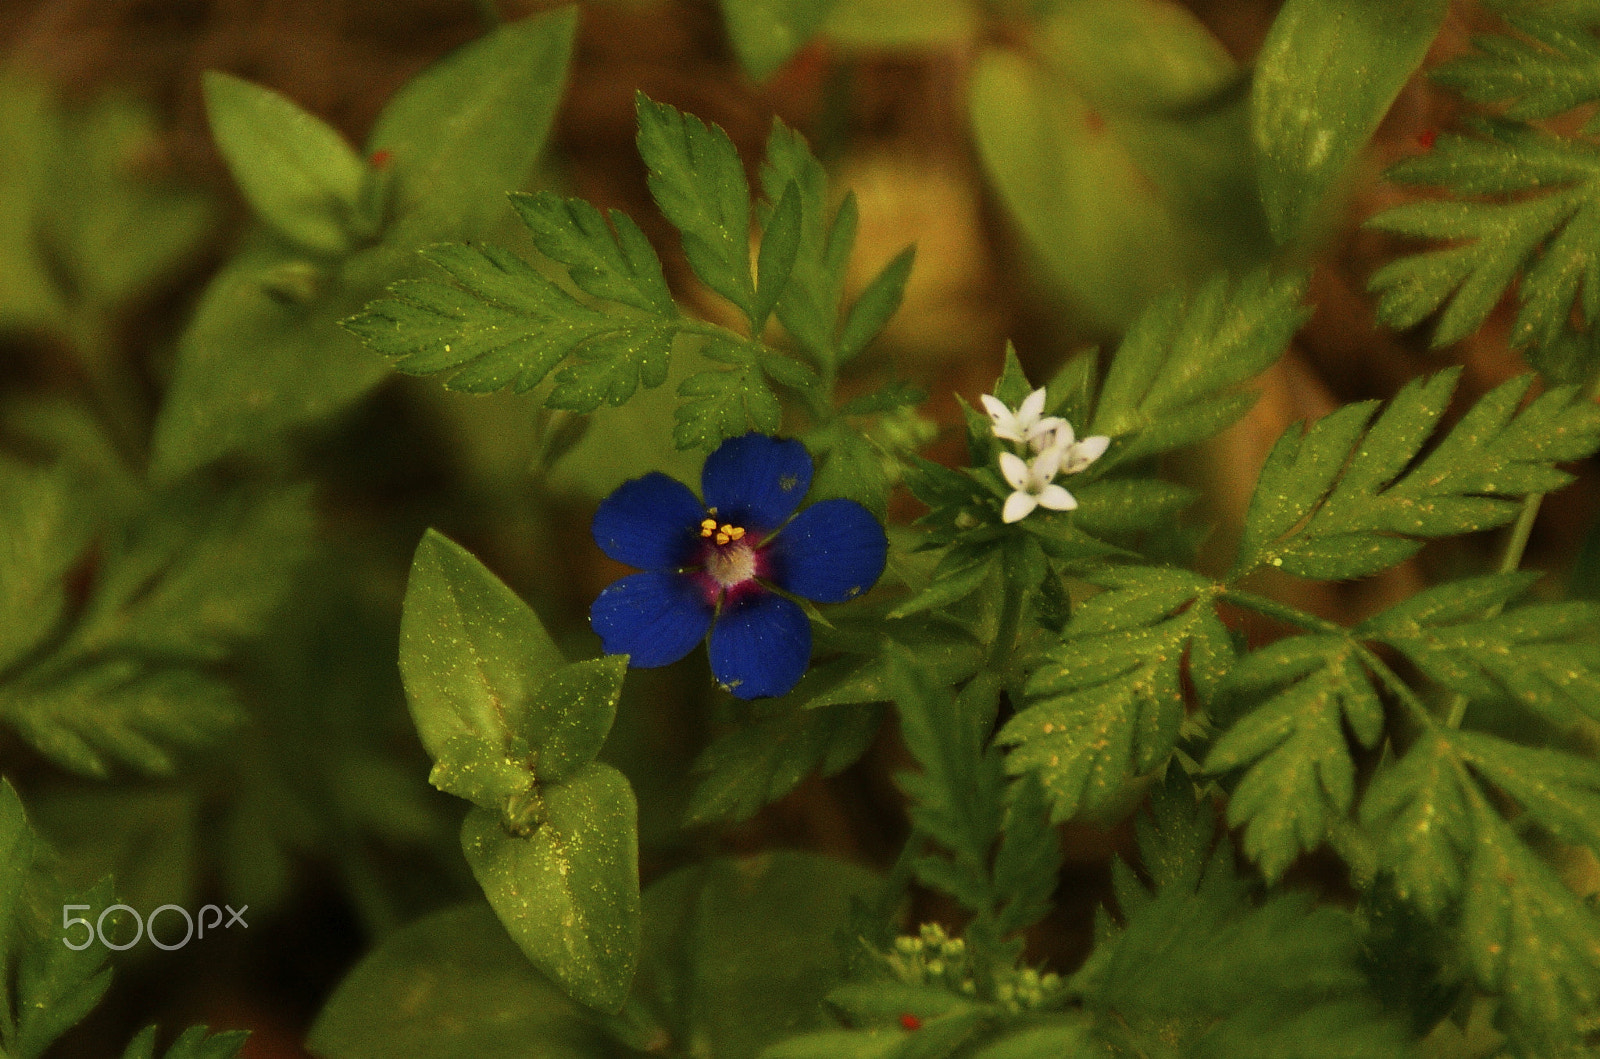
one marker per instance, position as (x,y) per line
(731,564)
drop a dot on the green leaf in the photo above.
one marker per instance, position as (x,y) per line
(471,652)
(1111,141)
(809,305)
(726,402)
(1343,499)
(1524,934)
(43,531)
(503,324)
(1555,69)
(469,128)
(956,797)
(739,953)
(298,173)
(57,986)
(1028,864)
(17,852)
(1540,656)
(567,890)
(851,467)
(263,355)
(196,1042)
(1199,970)
(1167,381)
(612,262)
(450,986)
(1300,693)
(961,571)
(699,183)
(1527,203)
(1325,77)
(878,303)
(1106,705)
(766,33)
(180,587)
(785,741)
(780,246)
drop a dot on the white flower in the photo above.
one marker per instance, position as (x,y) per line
(1032,484)
(1025,424)
(1076,455)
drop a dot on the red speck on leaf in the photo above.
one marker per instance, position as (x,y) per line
(381,159)
(1096,123)
(910,1021)
(1426,138)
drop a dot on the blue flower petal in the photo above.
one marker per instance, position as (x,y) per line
(833,551)
(760,645)
(655,618)
(652,523)
(756,481)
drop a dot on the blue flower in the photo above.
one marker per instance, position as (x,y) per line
(711,567)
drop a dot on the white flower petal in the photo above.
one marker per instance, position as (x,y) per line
(1094,448)
(1017,507)
(1044,467)
(1048,432)
(1057,499)
(1005,424)
(1015,471)
(1028,414)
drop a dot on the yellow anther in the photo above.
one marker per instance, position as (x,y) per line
(708,527)
(733,532)
(725,532)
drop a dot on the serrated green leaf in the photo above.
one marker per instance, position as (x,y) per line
(1167,378)
(1525,935)
(740,953)
(1547,238)
(1556,69)
(1421,808)
(612,262)
(1106,704)
(1201,970)
(505,325)
(699,183)
(298,173)
(787,740)
(956,797)
(1300,692)
(766,33)
(1327,73)
(448,986)
(1346,500)
(1028,863)
(809,305)
(179,588)
(196,1042)
(1535,655)
(568,890)
(1114,506)
(726,402)
(877,305)
(780,247)
(960,572)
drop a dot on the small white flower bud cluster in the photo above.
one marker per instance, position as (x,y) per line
(1056,451)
